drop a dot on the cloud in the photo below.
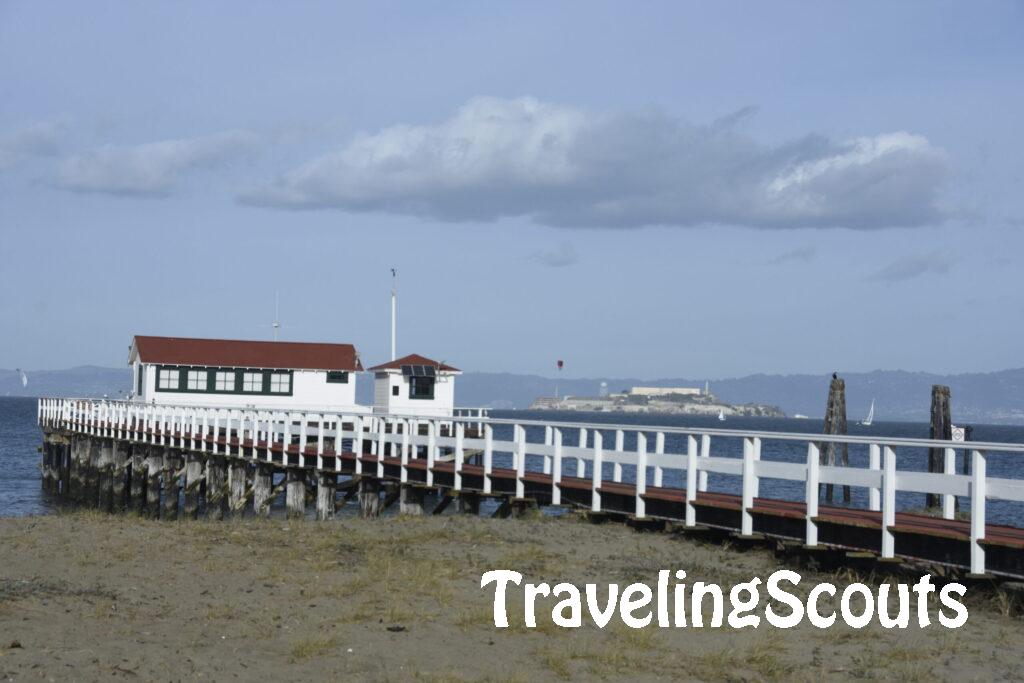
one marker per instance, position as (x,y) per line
(802,255)
(910,267)
(557,257)
(563,166)
(150,169)
(35,140)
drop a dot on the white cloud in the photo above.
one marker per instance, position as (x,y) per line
(557,257)
(916,265)
(37,139)
(563,166)
(149,169)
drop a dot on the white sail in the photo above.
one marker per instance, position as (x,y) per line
(871,415)
(24,377)
(721,416)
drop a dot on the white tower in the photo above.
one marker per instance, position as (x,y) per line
(394,307)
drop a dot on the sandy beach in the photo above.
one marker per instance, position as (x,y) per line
(91,596)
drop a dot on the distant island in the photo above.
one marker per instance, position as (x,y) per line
(667,400)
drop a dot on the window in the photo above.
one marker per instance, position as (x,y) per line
(140,371)
(337,377)
(421,387)
(394,390)
(280,383)
(168,379)
(196,380)
(225,380)
(252,381)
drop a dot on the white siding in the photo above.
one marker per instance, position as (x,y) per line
(440,406)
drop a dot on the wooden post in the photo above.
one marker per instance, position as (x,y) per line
(154,462)
(295,493)
(410,501)
(369,498)
(46,468)
(326,483)
(468,502)
(941,428)
(216,487)
(835,423)
(236,487)
(75,475)
(137,489)
(91,487)
(171,481)
(262,486)
(105,474)
(120,468)
(193,480)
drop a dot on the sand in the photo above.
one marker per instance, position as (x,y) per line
(89,596)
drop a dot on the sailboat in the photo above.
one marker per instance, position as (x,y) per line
(23,377)
(721,416)
(866,422)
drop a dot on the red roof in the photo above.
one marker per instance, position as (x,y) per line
(247,354)
(413,359)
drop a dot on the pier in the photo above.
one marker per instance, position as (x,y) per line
(175,461)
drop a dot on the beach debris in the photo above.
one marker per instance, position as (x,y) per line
(15,645)
(396,628)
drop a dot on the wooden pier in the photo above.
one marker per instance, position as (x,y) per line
(182,461)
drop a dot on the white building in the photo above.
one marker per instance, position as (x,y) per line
(261,374)
(414,385)
(664,391)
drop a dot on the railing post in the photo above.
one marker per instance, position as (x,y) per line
(948,499)
(320,442)
(548,440)
(620,445)
(659,449)
(382,429)
(404,475)
(888,502)
(811,494)
(581,466)
(640,508)
(705,452)
(488,456)
(977,512)
(460,435)
(691,480)
(520,460)
(875,463)
(749,488)
(431,448)
(556,468)
(598,467)
(303,438)
(357,444)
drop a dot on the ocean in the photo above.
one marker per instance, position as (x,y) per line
(21,492)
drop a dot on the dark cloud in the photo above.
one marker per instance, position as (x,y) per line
(910,267)
(801,255)
(563,166)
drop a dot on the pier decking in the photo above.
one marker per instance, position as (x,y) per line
(155,458)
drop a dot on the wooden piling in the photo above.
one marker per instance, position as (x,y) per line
(468,503)
(216,487)
(46,468)
(410,501)
(137,485)
(295,493)
(326,484)
(65,468)
(90,488)
(151,471)
(120,474)
(835,423)
(193,480)
(105,474)
(369,498)
(76,471)
(262,487)
(171,484)
(941,428)
(237,487)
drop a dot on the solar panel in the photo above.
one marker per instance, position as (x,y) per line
(406,369)
(419,371)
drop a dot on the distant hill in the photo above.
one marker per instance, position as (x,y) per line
(994,397)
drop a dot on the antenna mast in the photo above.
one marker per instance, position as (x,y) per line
(277,323)
(394,304)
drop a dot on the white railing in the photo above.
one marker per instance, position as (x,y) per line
(565,449)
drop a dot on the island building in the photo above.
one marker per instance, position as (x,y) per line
(257,374)
(414,385)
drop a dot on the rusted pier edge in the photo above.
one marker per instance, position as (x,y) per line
(120,456)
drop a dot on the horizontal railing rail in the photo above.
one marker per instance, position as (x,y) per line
(567,452)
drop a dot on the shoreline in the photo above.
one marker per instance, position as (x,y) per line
(400,598)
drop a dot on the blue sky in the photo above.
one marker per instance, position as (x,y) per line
(656,189)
